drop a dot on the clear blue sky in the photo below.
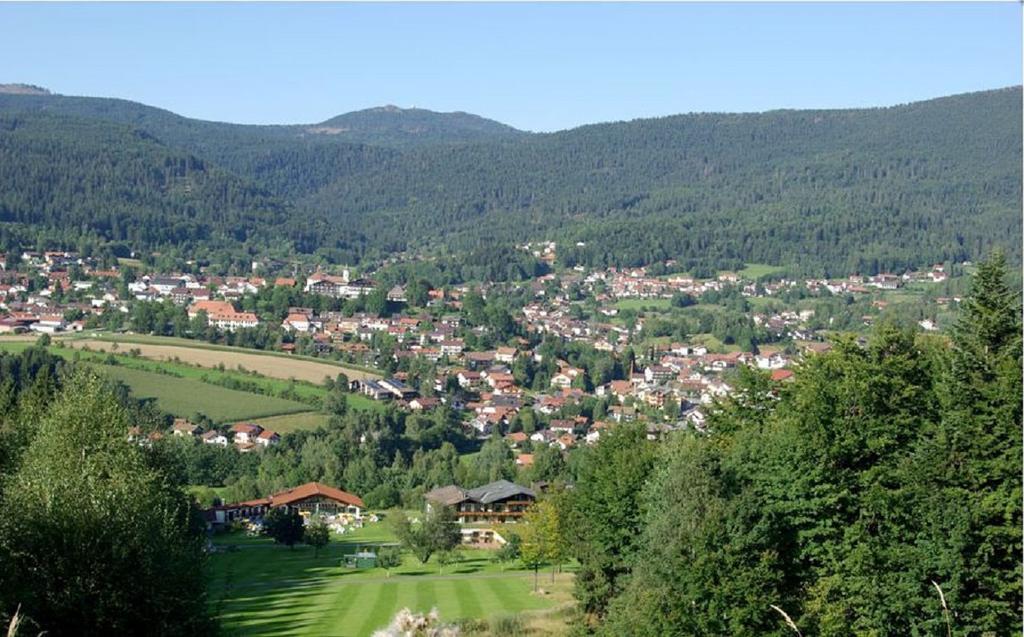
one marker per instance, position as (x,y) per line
(535,66)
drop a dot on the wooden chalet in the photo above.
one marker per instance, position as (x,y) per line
(500,501)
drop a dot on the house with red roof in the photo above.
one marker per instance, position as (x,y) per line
(267,438)
(223,315)
(246,432)
(780,375)
(516,438)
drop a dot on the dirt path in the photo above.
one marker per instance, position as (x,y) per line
(267,365)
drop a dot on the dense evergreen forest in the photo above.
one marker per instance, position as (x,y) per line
(823,192)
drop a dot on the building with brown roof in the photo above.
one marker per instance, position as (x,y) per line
(223,315)
(312,498)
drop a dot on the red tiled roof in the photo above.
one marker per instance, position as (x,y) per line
(311,489)
(621,387)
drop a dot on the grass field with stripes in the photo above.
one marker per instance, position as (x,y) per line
(263,589)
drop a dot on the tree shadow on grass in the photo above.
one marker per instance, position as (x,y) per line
(424,571)
(268,591)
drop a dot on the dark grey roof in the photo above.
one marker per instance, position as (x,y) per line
(396,384)
(500,490)
(166,280)
(502,400)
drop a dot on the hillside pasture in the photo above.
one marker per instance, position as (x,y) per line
(303,392)
(287,423)
(185,397)
(755,271)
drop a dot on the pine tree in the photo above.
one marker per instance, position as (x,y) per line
(604,516)
(975,460)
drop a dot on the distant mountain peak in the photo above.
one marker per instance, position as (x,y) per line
(392,125)
(23,89)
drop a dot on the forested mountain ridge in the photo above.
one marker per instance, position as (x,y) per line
(836,186)
(66,180)
(823,192)
(288,160)
(380,126)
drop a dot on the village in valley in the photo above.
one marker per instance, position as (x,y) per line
(620,349)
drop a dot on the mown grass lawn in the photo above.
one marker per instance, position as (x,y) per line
(305,391)
(263,589)
(7,344)
(713,344)
(125,337)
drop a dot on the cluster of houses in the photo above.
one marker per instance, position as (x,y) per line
(97,289)
(243,436)
(66,272)
(339,287)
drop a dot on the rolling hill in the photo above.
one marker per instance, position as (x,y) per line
(411,127)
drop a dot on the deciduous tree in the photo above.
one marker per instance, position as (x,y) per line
(284,526)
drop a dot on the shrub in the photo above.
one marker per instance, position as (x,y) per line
(507,626)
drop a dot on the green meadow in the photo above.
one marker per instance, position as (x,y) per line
(303,391)
(643,304)
(185,397)
(286,423)
(755,271)
(182,390)
(196,344)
